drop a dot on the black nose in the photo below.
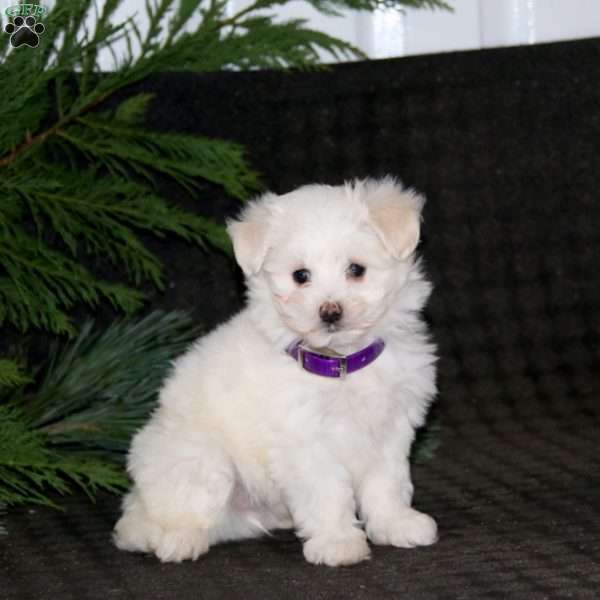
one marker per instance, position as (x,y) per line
(330,312)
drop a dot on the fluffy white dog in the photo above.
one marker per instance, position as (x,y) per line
(300,411)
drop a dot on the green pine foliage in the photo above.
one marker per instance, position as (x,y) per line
(427,441)
(11,374)
(107,380)
(72,429)
(78,187)
(29,468)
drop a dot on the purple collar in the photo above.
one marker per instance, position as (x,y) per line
(334,366)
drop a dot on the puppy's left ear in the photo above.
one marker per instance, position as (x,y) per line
(249,236)
(395,214)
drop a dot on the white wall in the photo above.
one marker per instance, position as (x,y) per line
(473,24)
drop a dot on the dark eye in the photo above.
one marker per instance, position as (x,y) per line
(355,270)
(301,276)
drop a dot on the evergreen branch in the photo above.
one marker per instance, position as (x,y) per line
(184,12)
(105,235)
(40,283)
(26,311)
(72,26)
(11,374)
(94,393)
(184,158)
(333,7)
(253,7)
(133,110)
(427,441)
(103,222)
(98,389)
(29,470)
(296,45)
(155,15)
(102,22)
(30,142)
(39,138)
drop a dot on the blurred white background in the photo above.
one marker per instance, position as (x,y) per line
(473,24)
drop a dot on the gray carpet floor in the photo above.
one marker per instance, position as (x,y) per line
(517,503)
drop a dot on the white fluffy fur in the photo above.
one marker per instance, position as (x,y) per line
(244,441)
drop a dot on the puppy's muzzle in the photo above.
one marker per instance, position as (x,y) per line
(330,312)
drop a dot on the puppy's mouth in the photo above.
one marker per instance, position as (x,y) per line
(331,329)
(336,336)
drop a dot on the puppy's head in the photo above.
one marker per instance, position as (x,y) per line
(332,259)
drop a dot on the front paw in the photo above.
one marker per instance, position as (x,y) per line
(335,550)
(407,529)
(137,532)
(175,545)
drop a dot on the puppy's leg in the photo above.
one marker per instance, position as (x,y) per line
(181,492)
(320,498)
(135,531)
(385,497)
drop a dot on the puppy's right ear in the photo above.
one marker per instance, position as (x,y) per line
(250,237)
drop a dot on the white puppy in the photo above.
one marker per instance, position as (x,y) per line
(246,439)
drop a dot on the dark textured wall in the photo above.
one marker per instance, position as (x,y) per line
(503,143)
